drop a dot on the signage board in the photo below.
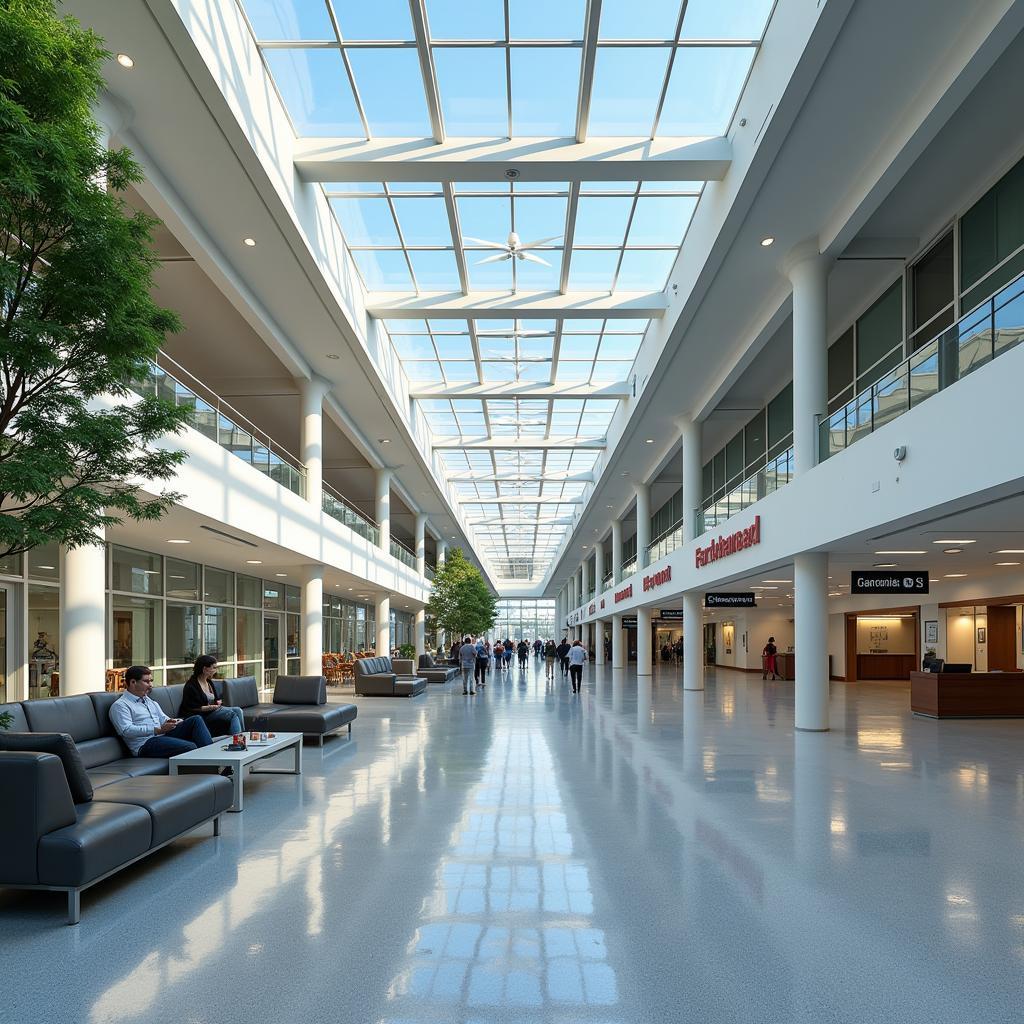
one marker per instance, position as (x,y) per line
(629,622)
(658,578)
(729,544)
(889,581)
(671,614)
(741,599)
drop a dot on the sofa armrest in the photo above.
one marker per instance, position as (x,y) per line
(34,800)
(376,684)
(300,690)
(403,667)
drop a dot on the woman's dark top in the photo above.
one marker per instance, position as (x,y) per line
(193,698)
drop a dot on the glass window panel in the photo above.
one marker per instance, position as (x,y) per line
(625,19)
(545,87)
(391,88)
(249,635)
(540,217)
(218,634)
(435,270)
(407,326)
(456,19)
(660,220)
(737,19)
(183,633)
(499,371)
(423,371)
(44,562)
(880,329)
(573,372)
(383,19)
(293,598)
(592,270)
(250,591)
(413,348)
(137,572)
(535,372)
(619,346)
(532,275)
(316,92)
(273,596)
(609,370)
(840,364)
(645,269)
(627,87)
(755,439)
(44,641)
(288,19)
(601,220)
(218,585)
(366,221)
(780,419)
(541,19)
(453,346)
(485,217)
(423,221)
(703,90)
(489,276)
(932,282)
(471,83)
(536,347)
(579,346)
(10,565)
(137,631)
(182,579)
(383,270)
(992,229)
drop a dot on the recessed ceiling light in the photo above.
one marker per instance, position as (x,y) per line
(952,551)
(781,581)
(249,242)
(901,552)
(177,577)
(384,440)
(933,581)
(1010,551)
(648,440)
(955,575)
(45,567)
(768,240)
(333,355)
(350,588)
(253,561)
(885,565)
(125,61)
(1007,563)
(608,507)
(280,574)
(954,540)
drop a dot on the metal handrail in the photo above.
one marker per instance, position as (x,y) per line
(666,542)
(987,331)
(403,553)
(338,507)
(774,474)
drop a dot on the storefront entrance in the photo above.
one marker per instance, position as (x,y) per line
(883,644)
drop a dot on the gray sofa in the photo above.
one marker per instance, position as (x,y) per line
(376,677)
(299,704)
(77,815)
(435,673)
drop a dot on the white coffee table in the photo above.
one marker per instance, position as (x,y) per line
(241,761)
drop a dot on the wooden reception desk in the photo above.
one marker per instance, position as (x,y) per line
(970,695)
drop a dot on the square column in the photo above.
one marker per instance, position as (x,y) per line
(618,646)
(584,581)
(616,552)
(643,524)
(312,621)
(599,642)
(420,632)
(599,567)
(383,647)
(382,508)
(421,544)
(644,665)
(810,607)
(693,479)
(693,640)
(82,642)
(313,392)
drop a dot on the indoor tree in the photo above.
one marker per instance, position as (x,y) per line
(77,323)
(461,603)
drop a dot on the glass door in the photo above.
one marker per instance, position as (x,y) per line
(271,650)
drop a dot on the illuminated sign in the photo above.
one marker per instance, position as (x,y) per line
(729,545)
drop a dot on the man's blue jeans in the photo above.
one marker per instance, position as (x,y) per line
(185,736)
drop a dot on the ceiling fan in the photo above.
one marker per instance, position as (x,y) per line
(512,249)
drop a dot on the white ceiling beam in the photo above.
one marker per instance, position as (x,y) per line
(588,60)
(468,474)
(531,443)
(697,158)
(418,14)
(513,499)
(521,389)
(521,305)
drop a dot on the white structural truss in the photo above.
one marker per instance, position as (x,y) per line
(514,180)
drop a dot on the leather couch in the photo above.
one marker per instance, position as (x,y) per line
(299,704)
(376,677)
(435,673)
(126,807)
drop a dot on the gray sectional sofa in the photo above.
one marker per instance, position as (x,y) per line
(435,673)
(299,704)
(376,677)
(82,808)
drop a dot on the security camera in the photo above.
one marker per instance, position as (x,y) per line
(899,453)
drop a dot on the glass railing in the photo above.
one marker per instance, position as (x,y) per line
(774,474)
(340,508)
(429,573)
(628,569)
(607,581)
(402,553)
(665,542)
(976,339)
(220,422)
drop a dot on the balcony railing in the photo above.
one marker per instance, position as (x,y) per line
(976,339)
(665,542)
(338,507)
(628,569)
(402,553)
(733,499)
(607,581)
(220,422)
(429,573)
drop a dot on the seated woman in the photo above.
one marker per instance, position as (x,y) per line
(198,698)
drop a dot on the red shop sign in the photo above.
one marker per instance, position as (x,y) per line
(729,545)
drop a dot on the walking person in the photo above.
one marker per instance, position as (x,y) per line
(577,658)
(499,656)
(768,662)
(550,654)
(563,655)
(483,663)
(509,651)
(523,650)
(537,647)
(467,663)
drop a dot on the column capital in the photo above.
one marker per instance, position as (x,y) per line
(806,258)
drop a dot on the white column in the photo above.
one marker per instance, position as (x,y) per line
(382,507)
(693,640)
(599,642)
(616,552)
(810,607)
(420,632)
(808,273)
(643,524)
(311,442)
(618,647)
(383,648)
(643,642)
(312,621)
(573,603)
(693,476)
(442,551)
(584,581)
(83,644)
(599,567)
(421,544)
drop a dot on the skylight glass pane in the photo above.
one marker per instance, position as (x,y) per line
(449,347)
(406,326)
(369,187)
(592,270)
(737,19)
(496,348)
(416,186)
(545,88)
(601,220)
(487,218)
(499,371)
(645,270)
(457,19)
(608,371)
(425,372)
(383,270)
(315,90)
(652,19)
(573,372)
(660,220)
(490,276)
(382,19)
(536,347)
(542,19)
(423,221)
(704,89)
(391,88)
(620,346)
(414,347)
(538,218)
(435,270)
(460,372)
(535,372)
(286,19)
(578,346)
(534,277)
(671,186)
(366,221)
(471,83)
(627,87)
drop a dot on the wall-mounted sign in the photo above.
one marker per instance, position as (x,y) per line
(744,599)
(592,608)
(602,602)
(624,594)
(629,622)
(671,614)
(888,581)
(658,578)
(729,545)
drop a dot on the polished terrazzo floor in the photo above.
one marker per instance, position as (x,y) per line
(619,857)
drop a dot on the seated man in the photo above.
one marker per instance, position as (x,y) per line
(142,724)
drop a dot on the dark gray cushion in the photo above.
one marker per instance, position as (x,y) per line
(410,687)
(169,698)
(101,703)
(19,721)
(63,746)
(314,721)
(73,715)
(241,693)
(300,690)
(133,766)
(258,715)
(97,752)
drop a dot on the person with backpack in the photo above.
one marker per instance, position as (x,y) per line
(577,658)
(467,663)
(523,650)
(483,663)
(509,650)
(550,654)
(499,656)
(537,647)
(563,655)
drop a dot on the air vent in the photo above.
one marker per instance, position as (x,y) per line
(230,538)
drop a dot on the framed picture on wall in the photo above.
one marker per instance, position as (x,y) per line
(981,634)
(931,631)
